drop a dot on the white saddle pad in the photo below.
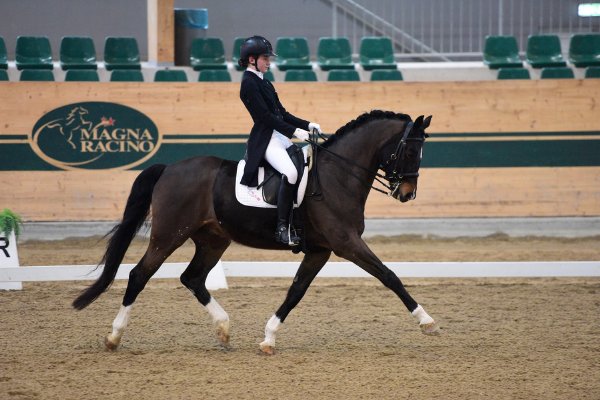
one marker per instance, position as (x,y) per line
(252,197)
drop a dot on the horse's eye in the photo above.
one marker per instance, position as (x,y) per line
(411,153)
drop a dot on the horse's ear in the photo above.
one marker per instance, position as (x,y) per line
(419,121)
(426,122)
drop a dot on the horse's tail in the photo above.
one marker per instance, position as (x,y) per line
(136,210)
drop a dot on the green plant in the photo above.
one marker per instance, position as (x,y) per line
(10,222)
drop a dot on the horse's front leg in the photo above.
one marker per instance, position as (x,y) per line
(309,268)
(359,253)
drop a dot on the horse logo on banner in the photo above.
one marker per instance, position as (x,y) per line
(94,135)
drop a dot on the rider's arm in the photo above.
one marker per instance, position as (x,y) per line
(290,118)
(260,112)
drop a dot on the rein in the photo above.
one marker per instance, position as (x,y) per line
(394,157)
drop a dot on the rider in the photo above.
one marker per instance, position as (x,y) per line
(273,128)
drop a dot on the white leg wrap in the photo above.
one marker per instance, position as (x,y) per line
(119,324)
(271,330)
(216,311)
(421,316)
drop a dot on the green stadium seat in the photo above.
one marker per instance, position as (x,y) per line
(3,75)
(584,50)
(343,75)
(126,75)
(386,75)
(42,75)
(269,76)
(214,75)
(544,51)
(121,53)
(207,53)
(77,52)
(3,56)
(33,52)
(235,54)
(376,53)
(557,73)
(592,72)
(513,73)
(292,53)
(81,75)
(501,52)
(170,75)
(334,53)
(300,75)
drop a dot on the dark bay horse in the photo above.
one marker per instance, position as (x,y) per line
(194,199)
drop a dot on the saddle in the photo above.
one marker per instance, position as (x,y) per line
(272,179)
(269,179)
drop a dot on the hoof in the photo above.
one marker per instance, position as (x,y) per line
(110,344)
(223,333)
(266,349)
(431,329)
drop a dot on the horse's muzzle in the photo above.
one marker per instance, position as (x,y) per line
(409,196)
(404,192)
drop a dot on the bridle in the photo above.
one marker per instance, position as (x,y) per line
(395,178)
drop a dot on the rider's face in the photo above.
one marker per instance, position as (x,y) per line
(263,63)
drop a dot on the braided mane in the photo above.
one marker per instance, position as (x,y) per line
(363,119)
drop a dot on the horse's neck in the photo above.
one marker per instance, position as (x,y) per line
(361,146)
(358,151)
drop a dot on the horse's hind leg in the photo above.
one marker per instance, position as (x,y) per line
(138,277)
(208,253)
(308,270)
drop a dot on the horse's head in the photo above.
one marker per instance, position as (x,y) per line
(401,159)
(77,112)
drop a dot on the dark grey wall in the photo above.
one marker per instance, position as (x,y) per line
(445,25)
(101,18)
(58,18)
(269,18)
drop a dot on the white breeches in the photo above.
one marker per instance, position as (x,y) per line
(277,156)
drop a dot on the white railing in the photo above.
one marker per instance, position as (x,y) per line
(441,30)
(217,277)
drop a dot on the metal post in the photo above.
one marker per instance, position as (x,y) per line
(500,16)
(334,20)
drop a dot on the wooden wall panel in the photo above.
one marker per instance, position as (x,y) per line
(215,108)
(497,192)
(443,192)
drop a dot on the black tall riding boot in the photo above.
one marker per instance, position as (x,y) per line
(285,202)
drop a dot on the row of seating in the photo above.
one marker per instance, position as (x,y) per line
(290,76)
(542,51)
(207,75)
(34,52)
(119,75)
(342,75)
(76,52)
(547,73)
(374,53)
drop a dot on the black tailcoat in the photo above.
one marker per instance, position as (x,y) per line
(261,100)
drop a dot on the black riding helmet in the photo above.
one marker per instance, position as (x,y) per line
(254,46)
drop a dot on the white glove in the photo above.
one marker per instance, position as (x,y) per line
(314,125)
(301,134)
